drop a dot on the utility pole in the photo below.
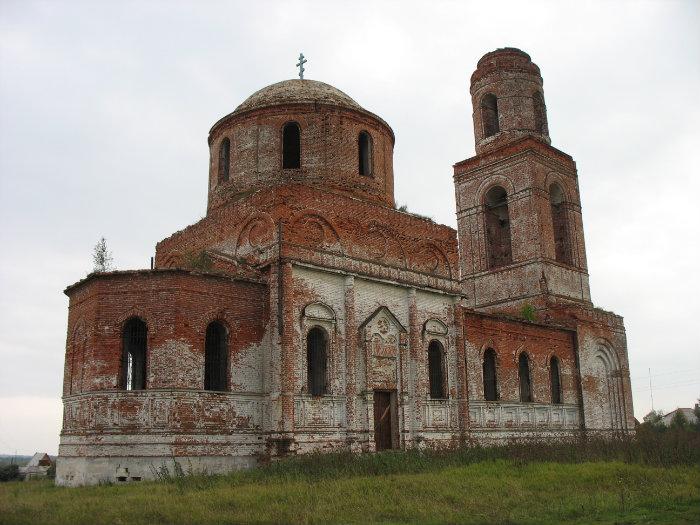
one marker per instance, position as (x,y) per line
(651,392)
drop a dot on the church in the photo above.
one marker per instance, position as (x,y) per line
(305,312)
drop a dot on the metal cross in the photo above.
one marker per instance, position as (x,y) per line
(300,65)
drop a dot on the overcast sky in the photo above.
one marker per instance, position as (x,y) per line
(105,109)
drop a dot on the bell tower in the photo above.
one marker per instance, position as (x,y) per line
(518,207)
(507,99)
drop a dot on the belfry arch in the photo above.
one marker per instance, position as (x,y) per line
(498,234)
(560,224)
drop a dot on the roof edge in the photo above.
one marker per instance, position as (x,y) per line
(145,271)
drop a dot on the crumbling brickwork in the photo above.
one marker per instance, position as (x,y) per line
(341,322)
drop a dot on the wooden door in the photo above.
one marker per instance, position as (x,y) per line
(383,431)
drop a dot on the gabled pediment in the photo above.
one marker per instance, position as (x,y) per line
(382,322)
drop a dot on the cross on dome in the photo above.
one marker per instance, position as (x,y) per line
(300,65)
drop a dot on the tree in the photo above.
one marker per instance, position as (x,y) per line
(679,420)
(654,421)
(9,472)
(102,257)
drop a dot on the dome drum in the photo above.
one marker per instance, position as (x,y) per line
(331,139)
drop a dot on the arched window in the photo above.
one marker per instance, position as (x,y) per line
(316,358)
(490,385)
(224,159)
(554,379)
(134,354)
(436,369)
(216,357)
(291,146)
(489,114)
(497,228)
(560,225)
(540,113)
(524,375)
(364,147)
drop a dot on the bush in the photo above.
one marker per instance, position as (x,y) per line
(653,422)
(680,421)
(9,473)
(528,312)
(675,446)
(199,261)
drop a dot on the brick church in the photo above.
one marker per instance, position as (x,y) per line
(306,312)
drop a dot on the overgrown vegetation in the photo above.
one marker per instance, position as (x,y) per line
(654,421)
(9,472)
(652,478)
(404,208)
(528,312)
(101,257)
(199,261)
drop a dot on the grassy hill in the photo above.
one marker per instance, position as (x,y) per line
(584,483)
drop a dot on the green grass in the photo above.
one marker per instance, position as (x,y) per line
(394,487)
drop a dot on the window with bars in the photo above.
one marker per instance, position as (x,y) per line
(316,357)
(555,379)
(216,357)
(134,343)
(560,225)
(436,369)
(499,250)
(489,369)
(524,375)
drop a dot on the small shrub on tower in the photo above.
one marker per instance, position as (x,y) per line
(102,257)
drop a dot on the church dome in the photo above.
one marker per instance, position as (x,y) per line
(297,91)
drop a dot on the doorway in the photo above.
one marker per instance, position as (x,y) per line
(385,437)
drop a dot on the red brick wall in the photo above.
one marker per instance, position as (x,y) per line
(176,307)
(508,339)
(329,152)
(315,221)
(513,78)
(526,170)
